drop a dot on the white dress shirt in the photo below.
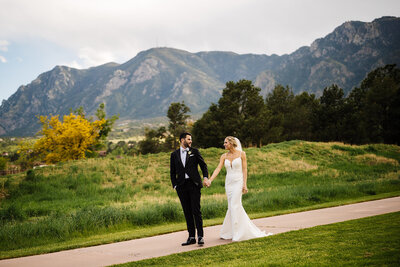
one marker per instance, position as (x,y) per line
(184,154)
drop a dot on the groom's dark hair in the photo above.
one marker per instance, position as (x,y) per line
(183,135)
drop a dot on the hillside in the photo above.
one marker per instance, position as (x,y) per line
(144,86)
(101,200)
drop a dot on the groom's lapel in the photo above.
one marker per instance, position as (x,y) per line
(178,152)
(187,156)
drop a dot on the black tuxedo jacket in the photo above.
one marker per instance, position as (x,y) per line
(193,160)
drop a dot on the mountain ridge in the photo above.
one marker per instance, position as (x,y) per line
(144,86)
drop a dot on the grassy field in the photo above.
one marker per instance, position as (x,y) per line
(104,200)
(370,241)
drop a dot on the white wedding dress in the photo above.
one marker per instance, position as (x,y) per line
(237,224)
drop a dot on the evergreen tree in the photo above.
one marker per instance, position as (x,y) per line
(382,104)
(239,113)
(177,114)
(329,114)
(298,122)
(208,130)
(279,103)
(354,130)
(153,142)
(109,122)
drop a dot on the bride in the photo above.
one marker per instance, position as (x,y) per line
(237,224)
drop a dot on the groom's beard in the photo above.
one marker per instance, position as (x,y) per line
(185,144)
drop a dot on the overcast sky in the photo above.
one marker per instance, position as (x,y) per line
(36,35)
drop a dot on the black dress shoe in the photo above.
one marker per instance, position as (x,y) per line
(200,241)
(189,241)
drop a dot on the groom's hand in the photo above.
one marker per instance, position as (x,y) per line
(206,182)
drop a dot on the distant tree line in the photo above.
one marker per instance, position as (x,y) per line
(369,114)
(166,139)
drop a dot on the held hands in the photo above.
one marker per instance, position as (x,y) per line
(206,182)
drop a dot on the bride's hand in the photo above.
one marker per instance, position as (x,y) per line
(244,189)
(207,182)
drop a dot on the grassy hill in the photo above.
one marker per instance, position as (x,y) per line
(96,201)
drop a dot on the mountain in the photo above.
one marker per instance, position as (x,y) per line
(342,57)
(144,86)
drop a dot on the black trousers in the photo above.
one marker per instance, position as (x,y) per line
(189,195)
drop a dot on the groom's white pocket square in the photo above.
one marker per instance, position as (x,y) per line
(191,155)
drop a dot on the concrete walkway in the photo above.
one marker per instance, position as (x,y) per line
(161,245)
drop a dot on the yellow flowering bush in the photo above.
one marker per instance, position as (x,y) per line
(67,140)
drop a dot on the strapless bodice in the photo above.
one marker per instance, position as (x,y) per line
(234,166)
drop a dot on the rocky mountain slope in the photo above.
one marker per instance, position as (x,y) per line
(144,86)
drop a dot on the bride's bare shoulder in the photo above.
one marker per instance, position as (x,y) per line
(223,156)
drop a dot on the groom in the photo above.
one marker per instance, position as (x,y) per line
(186,180)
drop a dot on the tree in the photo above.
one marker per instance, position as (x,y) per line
(108,123)
(66,140)
(354,130)
(329,122)
(254,114)
(382,104)
(279,103)
(372,111)
(238,113)
(177,114)
(73,137)
(208,130)
(298,122)
(153,142)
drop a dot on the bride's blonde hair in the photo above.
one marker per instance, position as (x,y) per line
(232,141)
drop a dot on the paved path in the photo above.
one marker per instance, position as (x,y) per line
(161,245)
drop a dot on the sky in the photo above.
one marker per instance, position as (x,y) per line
(37,35)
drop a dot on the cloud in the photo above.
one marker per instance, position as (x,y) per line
(3,59)
(4,45)
(94,57)
(99,31)
(72,64)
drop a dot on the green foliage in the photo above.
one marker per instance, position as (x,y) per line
(329,114)
(370,114)
(279,103)
(299,122)
(3,163)
(153,142)
(382,104)
(159,140)
(108,124)
(240,112)
(102,195)
(177,115)
(373,110)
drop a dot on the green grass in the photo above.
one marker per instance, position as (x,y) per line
(368,241)
(128,232)
(67,205)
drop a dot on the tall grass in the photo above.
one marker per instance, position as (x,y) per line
(85,221)
(93,196)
